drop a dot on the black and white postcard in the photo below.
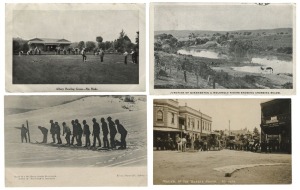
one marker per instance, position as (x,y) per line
(75,47)
(225,48)
(59,141)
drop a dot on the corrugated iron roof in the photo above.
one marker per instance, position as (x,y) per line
(48,40)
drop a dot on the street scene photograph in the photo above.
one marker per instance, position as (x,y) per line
(59,133)
(223,46)
(75,44)
(222,141)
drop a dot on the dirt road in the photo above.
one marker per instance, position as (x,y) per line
(172,167)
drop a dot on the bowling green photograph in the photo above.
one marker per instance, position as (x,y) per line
(99,45)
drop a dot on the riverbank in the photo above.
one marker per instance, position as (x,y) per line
(209,73)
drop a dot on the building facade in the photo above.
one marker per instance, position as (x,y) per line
(48,44)
(276,123)
(170,119)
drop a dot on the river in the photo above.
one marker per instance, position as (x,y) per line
(278,66)
(202,53)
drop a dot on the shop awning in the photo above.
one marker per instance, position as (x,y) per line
(166,129)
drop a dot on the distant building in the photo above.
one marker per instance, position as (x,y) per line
(243,132)
(170,119)
(276,122)
(48,44)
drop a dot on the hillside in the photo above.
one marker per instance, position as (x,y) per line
(131,115)
(184,33)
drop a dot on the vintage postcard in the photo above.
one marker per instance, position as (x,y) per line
(75,47)
(222,49)
(214,141)
(75,141)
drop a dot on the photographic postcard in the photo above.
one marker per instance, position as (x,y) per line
(222,141)
(75,141)
(75,47)
(222,49)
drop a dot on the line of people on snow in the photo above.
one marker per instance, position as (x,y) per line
(108,128)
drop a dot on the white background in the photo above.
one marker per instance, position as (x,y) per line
(295,101)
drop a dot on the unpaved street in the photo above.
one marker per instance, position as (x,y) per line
(173,167)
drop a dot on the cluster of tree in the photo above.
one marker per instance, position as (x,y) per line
(121,44)
(240,48)
(20,45)
(166,42)
(286,50)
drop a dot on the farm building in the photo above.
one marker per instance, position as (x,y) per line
(170,120)
(49,44)
(276,123)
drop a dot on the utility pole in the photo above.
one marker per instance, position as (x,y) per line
(229,128)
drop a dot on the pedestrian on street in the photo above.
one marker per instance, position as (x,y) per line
(44,132)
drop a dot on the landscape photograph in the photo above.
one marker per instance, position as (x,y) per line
(223,46)
(103,137)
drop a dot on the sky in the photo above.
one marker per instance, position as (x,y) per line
(222,18)
(36,102)
(242,113)
(75,25)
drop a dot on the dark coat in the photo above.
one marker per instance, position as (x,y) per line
(112,128)
(44,130)
(52,128)
(104,128)
(23,131)
(86,129)
(57,129)
(96,128)
(79,128)
(75,129)
(121,129)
